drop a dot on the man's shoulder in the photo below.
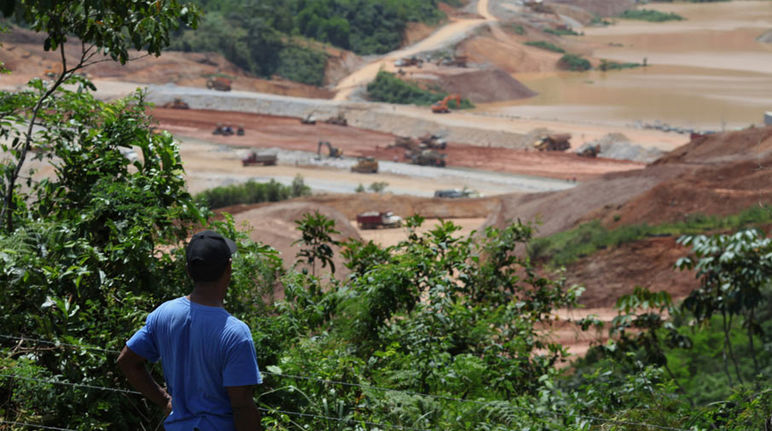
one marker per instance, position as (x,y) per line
(236,327)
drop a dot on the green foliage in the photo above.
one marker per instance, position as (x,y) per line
(360,188)
(302,65)
(265,37)
(650,15)
(378,186)
(574,62)
(566,247)
(549,46)
(387,87)
(613,65)
(317,240)
(562,32)
(252,192)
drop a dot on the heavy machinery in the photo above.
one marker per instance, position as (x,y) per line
(177,103)
(441,107)
(218,83)
(339,120)
(427,158)
(223,129)
(334,152)
(375,219)
(433,141)
(240,130)
(556,142)
(409,61)
(253,159)
(366,165)
(590,151)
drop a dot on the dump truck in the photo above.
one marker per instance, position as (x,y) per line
(334,152)
(441,107)
(556,142)
(253,159)
(375,219)
(218,83)
(366,165)
(427,158)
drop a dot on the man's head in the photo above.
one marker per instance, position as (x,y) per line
(208,255)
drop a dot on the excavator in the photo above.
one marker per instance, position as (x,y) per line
(334,152)
(441,107)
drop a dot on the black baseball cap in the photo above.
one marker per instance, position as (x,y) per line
(207,255)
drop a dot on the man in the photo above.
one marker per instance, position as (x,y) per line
(208,356)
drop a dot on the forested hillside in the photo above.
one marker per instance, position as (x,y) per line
(275,37)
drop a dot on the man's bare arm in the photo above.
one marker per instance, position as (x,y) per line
(245,412)
(133,367)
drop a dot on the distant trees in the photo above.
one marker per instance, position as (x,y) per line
(267,37)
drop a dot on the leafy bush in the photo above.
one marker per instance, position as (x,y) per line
(574,62)
(613,65)
(387,87)
(302,65)
(562,32)
(252,192)
(650,15)
(549,46)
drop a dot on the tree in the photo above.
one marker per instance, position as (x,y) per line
(317,231)
(733,270)
(103,29)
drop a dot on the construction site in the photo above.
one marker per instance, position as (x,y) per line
(541,144)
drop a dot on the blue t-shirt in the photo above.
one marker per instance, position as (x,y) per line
(203,350)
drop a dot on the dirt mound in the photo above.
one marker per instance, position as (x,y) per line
(275,225)
(749,144)
(599,7)
(488,85)
(648,263)
(508,53)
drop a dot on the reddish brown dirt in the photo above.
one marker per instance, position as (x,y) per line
(289,133)
(648,263)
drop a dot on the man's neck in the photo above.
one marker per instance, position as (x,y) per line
(205,298)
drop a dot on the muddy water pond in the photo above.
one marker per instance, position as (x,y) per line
(708,71)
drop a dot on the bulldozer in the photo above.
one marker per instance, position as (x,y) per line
(218,83)
(556,142)
(441,107)
(333,152)
(366,165)
(427,158)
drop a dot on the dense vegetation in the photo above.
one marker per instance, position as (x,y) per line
(387,87)
(273,37)
(437,332)
(574,62)
(252,192)
(613,65)
(543,44)
(650,15)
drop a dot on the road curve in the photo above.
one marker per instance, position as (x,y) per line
(453,32)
